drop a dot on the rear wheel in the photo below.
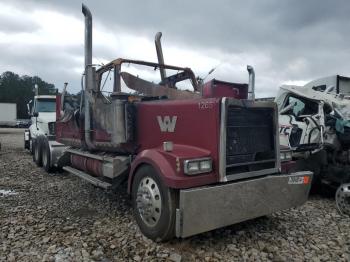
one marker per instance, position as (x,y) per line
(37,157)
(154,205)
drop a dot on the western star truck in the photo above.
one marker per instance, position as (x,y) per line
(194,160)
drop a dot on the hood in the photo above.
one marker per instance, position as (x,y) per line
(47,117)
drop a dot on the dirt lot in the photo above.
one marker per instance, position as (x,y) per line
(57,217)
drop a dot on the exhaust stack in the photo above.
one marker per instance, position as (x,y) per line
(160,55)
(89,75)
(62,98)
(36,89)
(88,35)
(251,85)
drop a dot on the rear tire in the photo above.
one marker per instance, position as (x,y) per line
(46,156)
(37,157)
(154,205)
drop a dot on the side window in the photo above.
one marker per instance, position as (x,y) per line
(299,107)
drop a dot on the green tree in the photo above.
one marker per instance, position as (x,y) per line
(20,90)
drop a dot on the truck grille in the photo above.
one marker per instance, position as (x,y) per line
(250,142)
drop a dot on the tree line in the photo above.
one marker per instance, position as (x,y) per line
(20,90)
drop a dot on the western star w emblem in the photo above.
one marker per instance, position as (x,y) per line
(166,123)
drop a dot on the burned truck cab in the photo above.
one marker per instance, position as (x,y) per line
(195,160)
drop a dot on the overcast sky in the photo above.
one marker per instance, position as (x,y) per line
(285,41)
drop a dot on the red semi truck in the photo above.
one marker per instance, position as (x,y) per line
(193,160)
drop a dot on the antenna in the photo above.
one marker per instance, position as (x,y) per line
(210,72)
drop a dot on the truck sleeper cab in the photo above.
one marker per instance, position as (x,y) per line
(193,164)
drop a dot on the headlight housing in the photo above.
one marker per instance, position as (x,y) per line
(286,155)
(52,128)
(198,166)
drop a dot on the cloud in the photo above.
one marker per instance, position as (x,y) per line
(11,20)
(285,41)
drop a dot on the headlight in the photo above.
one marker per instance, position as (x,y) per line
(52,128)
(197,166)
(285,155)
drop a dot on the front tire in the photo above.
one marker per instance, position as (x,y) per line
(154,205)
(46,156)
(342,199)
(37,157)
(26,144)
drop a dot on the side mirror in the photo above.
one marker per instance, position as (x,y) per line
(35,114)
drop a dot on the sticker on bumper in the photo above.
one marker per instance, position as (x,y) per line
(299,180)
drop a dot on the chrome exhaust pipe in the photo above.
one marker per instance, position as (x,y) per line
(62,98)
(88,35)
(88,71)
(160,55)
(251,85)
(36,89)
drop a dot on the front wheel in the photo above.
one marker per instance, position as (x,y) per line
(46,156)
(154,205)
(26,141)
(342,199)
(37,158)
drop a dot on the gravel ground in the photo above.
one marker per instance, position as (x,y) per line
(61,218)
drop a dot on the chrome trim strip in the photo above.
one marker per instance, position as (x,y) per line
(222,145)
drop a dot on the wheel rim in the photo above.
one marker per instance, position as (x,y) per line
(149,201)
(342,198)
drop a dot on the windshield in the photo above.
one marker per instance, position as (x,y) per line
(45,105)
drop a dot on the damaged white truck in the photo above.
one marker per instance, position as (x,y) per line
(315,123)
(39,138)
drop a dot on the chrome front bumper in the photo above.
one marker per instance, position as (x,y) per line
(207,208)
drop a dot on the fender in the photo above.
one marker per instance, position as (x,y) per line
(169,166)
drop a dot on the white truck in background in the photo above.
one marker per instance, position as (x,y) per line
(8,114)
(314,122)
(40,137)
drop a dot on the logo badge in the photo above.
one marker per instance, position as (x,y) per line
(166,123)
